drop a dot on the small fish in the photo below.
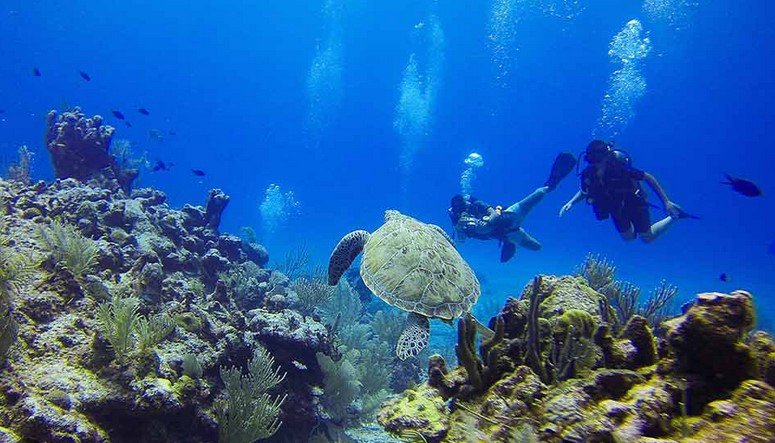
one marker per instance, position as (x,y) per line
(155,134)
(84,76)
(128,125)
(743,186)
(36,72)
(118,115)
(724,277)
(198,172)
(173,132)
(299,365)
(143,111)
(161,166)
(2,111)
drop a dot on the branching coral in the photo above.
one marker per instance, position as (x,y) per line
(248,413)
(598,271)
(533,339)
(481,373)
(624,297)
(657,307)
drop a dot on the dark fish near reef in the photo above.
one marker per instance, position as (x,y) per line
(198,172)
(161,166)
(143,111)
(2,111)
(118,115)
(84,76)
(724,277)
(36,72)
(128,125)
(743,186)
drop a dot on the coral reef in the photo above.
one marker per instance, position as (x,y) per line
(118,334)
(80,149)
(557,373)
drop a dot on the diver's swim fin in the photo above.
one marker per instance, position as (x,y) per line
(681,212)
(563,165)
(507,251)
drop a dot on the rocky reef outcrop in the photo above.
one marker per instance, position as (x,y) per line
(80,148)
(556,372)
(64,379)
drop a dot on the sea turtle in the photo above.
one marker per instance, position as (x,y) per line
(414,266)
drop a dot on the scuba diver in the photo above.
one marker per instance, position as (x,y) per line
(473,218)
(613,188)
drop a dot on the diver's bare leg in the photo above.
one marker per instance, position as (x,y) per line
(657,229)
(522,207)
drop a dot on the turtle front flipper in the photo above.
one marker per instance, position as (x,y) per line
(415,336)
(345,252)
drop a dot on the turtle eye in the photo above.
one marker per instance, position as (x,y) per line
(403,251)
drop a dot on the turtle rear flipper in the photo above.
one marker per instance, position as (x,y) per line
(415,336)
(345,252)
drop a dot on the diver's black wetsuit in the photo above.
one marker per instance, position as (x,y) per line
(471,220)
(618,193)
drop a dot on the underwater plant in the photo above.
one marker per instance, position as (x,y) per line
(598,271)
(21,171)
(312,293)
(624,298)
(151,331)
(340,385)
(192,367)
(117,320)
(68,246)
(127,331)
(15,271)
(248,413)
(296,262)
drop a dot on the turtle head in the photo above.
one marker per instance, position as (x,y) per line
(392,214)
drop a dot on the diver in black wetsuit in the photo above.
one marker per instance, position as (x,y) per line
(473,218)
(613,188)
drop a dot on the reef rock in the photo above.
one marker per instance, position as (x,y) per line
(707,344)
(418,412)
(748,415)
(79,148)
(61,381)
(704,386)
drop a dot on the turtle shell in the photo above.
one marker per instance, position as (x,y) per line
(413,265)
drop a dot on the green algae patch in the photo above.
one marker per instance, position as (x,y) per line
(189,321)
(420,411)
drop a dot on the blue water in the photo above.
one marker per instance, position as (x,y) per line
(232,81)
